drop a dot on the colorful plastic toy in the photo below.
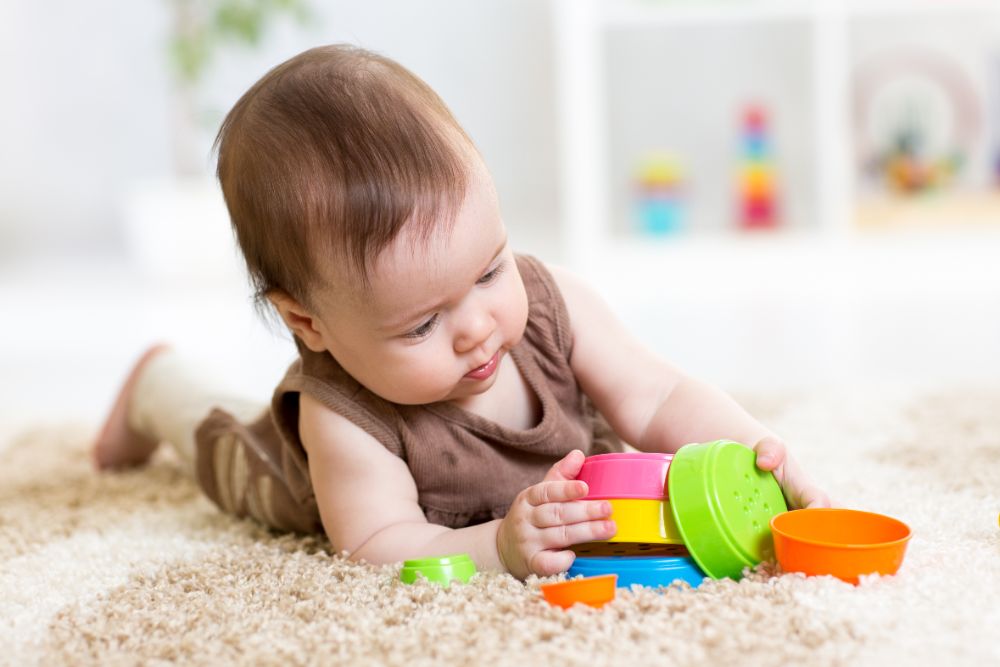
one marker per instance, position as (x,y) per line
(719,508)
(841,542)
(758,199)
(659,196)
(723,504)
(443,570)
(643,564)
(626,475)
(593,591)
(640,520)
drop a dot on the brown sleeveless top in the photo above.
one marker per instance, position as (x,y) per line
(467,468)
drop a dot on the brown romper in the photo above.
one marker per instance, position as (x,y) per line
(467,468)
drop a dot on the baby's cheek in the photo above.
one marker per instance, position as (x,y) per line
(428,373)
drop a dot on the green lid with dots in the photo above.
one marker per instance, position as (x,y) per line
(723,504)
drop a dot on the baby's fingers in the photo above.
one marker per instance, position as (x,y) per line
(556,492)
(568,467)
(546,563)
(770,453)
(557,514)
(577,533)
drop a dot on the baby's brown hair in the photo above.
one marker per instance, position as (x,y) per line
(327,157)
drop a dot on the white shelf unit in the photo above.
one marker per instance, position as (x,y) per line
(825,304)
(581,29)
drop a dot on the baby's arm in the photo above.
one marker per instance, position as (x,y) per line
(653,405)
(368,504)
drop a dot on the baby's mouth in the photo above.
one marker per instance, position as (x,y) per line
(486,370)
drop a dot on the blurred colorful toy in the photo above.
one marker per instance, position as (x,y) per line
(919,117)
(907,171)
(442,570)
(659,194)
(756,182)
(841,542)
(593,591)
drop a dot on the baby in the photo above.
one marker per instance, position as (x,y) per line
(447,389)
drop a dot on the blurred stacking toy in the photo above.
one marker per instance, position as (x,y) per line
(659,196)
(756,173)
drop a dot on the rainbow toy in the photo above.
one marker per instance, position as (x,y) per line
(758,201)
(712,508)
(720,515)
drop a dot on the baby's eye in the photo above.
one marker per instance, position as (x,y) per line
(424,329)
(491,276)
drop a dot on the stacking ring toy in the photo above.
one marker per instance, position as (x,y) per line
(844,543)
(642,564)
(626,475)
(643,521)
(723,504)
(443,570)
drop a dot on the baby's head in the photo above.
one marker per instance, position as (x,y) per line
(369,221)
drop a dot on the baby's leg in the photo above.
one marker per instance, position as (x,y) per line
(163,399)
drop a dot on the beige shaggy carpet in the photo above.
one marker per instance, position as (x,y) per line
(137,568)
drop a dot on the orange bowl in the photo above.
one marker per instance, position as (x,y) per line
(595,591)
(844,543)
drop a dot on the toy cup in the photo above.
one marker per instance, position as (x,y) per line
(626,475)
(443,570)
(722,504)
(841,542)
(634,484)
(651,565)
(640,520)
(593,591)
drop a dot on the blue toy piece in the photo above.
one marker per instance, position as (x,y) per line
(650,571)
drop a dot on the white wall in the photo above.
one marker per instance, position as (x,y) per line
(84,105)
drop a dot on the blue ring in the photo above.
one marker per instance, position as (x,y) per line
(650,571)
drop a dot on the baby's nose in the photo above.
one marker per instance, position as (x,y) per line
(477,326)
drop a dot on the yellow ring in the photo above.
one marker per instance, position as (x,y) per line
(644,521)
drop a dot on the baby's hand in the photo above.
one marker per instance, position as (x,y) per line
(799,490)
(547,518)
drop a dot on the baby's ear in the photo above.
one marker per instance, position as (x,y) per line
(298,318)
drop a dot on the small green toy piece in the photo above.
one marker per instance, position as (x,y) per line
(443,570)
(723,504)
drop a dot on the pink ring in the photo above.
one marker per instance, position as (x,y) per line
(626,475)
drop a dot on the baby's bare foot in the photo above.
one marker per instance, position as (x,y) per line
(117,445)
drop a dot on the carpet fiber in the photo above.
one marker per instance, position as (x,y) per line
(138,568)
